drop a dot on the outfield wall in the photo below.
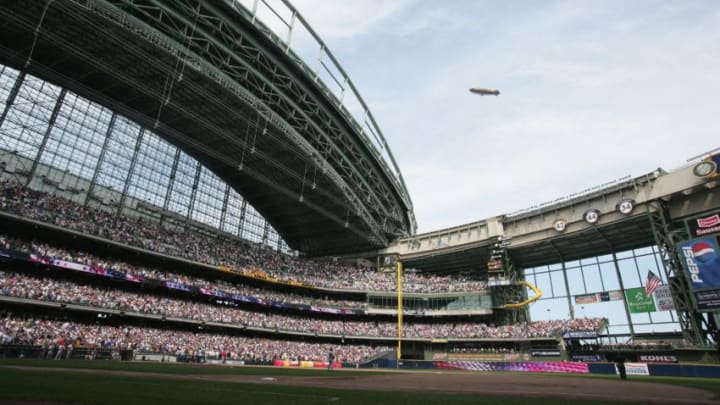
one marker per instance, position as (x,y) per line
(564,367)
(304,364)
(657,369)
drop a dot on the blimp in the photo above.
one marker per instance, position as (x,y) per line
(484,92)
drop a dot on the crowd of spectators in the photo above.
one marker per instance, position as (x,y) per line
(221,250)
(49,252)
(49,289)
(54,334)
(226,251)
(543,328)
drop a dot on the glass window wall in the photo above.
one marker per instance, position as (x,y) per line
(596,275)
(88,141)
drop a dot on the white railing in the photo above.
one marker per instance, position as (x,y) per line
(621,181)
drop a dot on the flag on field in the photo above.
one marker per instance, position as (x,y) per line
(652,283)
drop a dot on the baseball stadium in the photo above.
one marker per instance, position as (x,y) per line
(199,207)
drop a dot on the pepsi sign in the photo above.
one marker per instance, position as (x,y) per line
(702,262)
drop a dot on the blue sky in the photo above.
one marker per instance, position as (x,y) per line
(591,91)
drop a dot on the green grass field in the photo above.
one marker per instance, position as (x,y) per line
(95,388)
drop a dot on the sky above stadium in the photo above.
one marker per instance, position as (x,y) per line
(591,91)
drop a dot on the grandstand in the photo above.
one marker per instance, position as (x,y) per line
(179,184)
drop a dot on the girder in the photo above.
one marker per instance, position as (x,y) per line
(207,82)
(667,235)
(271,81)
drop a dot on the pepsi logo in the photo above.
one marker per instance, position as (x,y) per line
(560,225)
(703,252)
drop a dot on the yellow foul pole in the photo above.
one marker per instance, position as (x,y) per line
(399,311)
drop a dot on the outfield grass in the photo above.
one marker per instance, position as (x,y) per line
(95,388)
(707,384)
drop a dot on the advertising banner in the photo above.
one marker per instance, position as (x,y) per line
(495,266)
(580,334)
(339,311)
(638,302)
(657,358)
(587,299)
(215,293)
(702,262)
(115,274)
(545,353)
(529,366)
(242,298)
(615,295)
(33,258)
(705,225)
(709,299)
(73,266)
(605,296)
(178,286)
(586,357)
(304,364)
(635,369)
(663,298)
(440,356)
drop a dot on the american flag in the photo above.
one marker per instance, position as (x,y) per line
(652,283)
